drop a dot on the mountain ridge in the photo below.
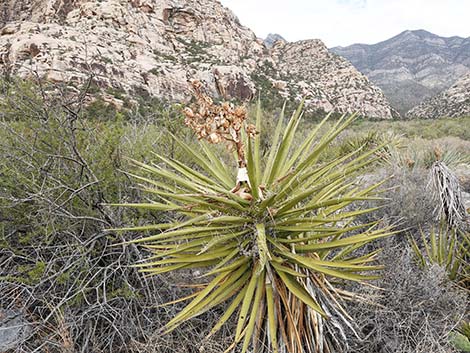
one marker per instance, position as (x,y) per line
(411,66)
(453,102)
(273,38)
(152,47)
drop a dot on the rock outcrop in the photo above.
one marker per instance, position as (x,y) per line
(411,66)
(273,38)
(327,80)
(152,47)
(453,102)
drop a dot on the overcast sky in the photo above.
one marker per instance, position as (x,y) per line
(344,22)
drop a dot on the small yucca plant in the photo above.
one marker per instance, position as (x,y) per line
(276,241)
(448,248)
(461,337)
(441,247)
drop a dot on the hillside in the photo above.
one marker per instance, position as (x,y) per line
(453,102)
(411,66)
(152,48)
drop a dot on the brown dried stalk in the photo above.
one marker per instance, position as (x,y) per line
(218,123)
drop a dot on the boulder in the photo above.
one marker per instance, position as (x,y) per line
(14,329)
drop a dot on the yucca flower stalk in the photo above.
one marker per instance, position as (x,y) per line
(274,244)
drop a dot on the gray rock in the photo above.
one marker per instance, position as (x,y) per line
(14,329)
(412,66)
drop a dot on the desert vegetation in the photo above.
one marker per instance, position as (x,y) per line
(66,252)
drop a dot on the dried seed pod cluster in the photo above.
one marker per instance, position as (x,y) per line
(218,123)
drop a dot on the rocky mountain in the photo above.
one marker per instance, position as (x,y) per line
(308,68)
(272,38)
(152,48)
(411,66)
(453,102)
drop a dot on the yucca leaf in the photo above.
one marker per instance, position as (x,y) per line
(342,255)
(164,269)
(247,301)
(183,183)
(306,145)
(162,251)
(206,219)
(222,294)
(257,143)
(190,173)
(228,312)
(309,178)
(325,267)
(354,239)
(190,258)
(251,168)
(179,300)
(160,226)
(188,200)
(288,270)
(285,145)
(188,233)
(154,206)
(300,292)
(450,250)
(207,165)
(230,267)
(306,224)
(325,141)
(216,164)
(220,266)
(203,294)
(161,185)
(274,146)
(249,334)
(313,232)
(272,324)
(217,240)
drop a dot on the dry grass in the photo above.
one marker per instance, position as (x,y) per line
(414,310)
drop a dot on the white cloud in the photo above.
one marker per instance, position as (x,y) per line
(343,22)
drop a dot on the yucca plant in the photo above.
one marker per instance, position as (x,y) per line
(461,337)
(464,249)
(441,247)
(276,241)
(464,329)
(391,142)
(448,248)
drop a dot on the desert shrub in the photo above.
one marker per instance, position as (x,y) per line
(69,278)
(426,129)
(408,200)
(413,311)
